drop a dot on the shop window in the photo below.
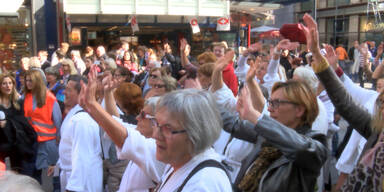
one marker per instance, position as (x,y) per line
(308,5)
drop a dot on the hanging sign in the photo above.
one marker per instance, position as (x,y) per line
(223,24)
(194,25)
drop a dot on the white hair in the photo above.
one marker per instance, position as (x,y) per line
(307,75)
(196,112)
(12,182)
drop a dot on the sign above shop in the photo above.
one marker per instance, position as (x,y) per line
(214,8)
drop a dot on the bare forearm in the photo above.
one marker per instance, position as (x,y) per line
(257,96)
(378,71)
(113,128)
(110,104)
(217,81)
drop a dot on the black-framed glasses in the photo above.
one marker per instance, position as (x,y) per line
(158,86)
(275,103)
(166,129)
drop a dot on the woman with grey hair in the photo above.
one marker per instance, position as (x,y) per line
(184,136)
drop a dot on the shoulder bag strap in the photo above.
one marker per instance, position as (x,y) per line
(206,163)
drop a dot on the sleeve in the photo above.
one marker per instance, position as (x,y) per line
(360,94)
(224,97)
(272,75)
(350,154)
(142,152)
(57,117)
(307,152)
(241,129)
(82,142)
(242,68)
(356,116)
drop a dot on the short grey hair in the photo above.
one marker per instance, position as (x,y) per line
(196,111)
(12,182)
(307,75)
(152,102)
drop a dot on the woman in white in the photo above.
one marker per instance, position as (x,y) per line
(184,136)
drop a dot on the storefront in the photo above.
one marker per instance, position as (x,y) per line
(15,35)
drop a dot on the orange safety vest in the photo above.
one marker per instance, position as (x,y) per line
(41,118)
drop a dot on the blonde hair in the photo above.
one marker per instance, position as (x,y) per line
(34,62)
(39,89)
(300,94)
(377,121)
(14,97)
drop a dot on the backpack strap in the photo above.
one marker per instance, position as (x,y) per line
(204,164)
(101,142)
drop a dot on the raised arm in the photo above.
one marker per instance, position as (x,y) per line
(343,102)
(258,100)
(87,100)
(110,86)
(184,52)
(217,75)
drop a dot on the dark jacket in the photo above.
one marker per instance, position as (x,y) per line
(355,115)
(304,152)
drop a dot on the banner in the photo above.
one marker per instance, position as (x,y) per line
(223,24)
(194,25)
(134,24)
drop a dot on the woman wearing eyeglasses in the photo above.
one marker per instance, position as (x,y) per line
(165,85)
(288,155)
(183,139)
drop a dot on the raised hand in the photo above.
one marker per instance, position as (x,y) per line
(286,44)
(251,73)
(331,56)
(311,34)
(245,108)
(222,63)
(87,94)
(183,44)
(109,84)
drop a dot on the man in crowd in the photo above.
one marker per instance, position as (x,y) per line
(43,58)
(63,50)
(229,76)
(80,148)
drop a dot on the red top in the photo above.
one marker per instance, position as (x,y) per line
(230,78)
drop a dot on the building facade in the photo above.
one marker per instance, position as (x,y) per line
(343,21)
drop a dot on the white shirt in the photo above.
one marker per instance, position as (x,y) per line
(242,68)
(80,152)
(143,169)
(207,179)
(351,153)
(321,122)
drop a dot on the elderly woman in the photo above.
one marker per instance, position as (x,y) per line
(183,135)
(368,174)
(165,85)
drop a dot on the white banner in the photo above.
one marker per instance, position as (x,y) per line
(194,25)
(223,24)
(134,24)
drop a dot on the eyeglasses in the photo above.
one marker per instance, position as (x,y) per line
(144,115)
(275,103)
(158,86)
(166,129)
(153,76)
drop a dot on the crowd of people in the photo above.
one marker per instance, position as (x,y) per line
(267,118)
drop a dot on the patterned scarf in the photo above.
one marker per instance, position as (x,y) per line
(369,173)
(266,157)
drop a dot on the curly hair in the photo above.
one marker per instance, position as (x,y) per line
(130,97)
